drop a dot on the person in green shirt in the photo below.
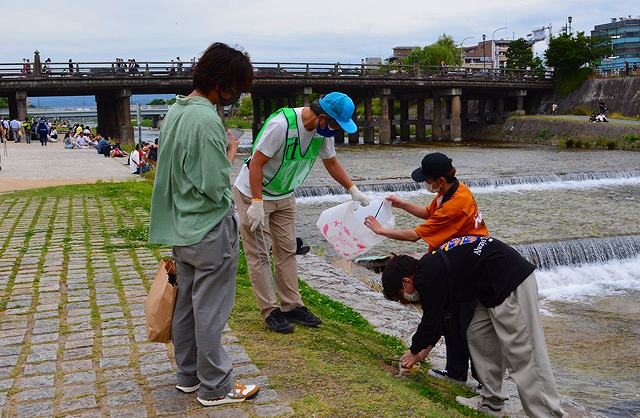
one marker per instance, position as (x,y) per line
(191,210)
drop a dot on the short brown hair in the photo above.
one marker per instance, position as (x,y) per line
(224,68)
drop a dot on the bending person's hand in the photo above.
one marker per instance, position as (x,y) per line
(358,196)
(255,213)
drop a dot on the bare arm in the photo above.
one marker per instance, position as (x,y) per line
(335,170)
(258,160)
(416,210)
(232,146)
(398,234)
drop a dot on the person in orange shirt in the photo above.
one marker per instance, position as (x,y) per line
(453,213)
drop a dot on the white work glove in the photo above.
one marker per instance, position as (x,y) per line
(358,196)
(255,213)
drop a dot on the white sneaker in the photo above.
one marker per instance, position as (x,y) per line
(239,393)
(478,403)
(188,389)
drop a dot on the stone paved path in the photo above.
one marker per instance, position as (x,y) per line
(72,333)
(31,165)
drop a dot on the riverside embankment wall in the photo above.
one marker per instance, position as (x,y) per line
(620,94)
(540,129)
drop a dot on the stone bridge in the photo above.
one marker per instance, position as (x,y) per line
(444,98)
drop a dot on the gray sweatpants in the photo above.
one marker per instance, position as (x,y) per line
(510,336)
(206,290)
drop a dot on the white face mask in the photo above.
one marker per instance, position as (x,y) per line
(411,297)
(432,189)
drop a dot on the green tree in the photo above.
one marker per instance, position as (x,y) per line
(4,103)
(574,57)
(519,54)
(157,102)
(444,49)
(246,107)
(170,101)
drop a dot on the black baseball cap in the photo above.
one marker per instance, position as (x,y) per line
(433,165)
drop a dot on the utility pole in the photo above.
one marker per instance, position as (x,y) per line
(139,120)
(484,53)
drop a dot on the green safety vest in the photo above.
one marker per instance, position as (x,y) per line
(295,166)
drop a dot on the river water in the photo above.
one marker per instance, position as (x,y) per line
(574,213)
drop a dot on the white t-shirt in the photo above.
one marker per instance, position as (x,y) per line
(134,160)
(272,145)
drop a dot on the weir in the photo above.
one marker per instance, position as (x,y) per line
(410,186)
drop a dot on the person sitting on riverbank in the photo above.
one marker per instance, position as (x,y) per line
(505,330)
(136,162)
(152,155)
(69,141)
(452,213)
(117,152)
(53,135)
(103,147)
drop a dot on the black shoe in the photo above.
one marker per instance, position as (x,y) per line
(278,323)
(300,248)
(303,316)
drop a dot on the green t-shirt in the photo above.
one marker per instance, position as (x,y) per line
(192,190)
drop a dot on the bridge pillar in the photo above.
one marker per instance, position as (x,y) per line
(404,120)
(114,115)
(392,120)
(499,109)
(257,117)
(482,111)
(154,121)
(368,120)
(18,105)
(421,123)
(436,125)
(267,107)
(385,123)
(354,138)
(306,92)
(279,103)
(455,129)
(291,100)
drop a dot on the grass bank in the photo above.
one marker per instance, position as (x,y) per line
(338,369)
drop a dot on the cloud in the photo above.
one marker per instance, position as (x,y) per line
(284,30)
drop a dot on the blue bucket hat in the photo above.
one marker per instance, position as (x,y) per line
(340,107)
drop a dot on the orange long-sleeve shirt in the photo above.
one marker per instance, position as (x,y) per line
(456,217)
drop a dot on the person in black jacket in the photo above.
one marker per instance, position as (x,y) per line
(505,330)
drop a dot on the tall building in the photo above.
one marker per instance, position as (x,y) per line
(624,34)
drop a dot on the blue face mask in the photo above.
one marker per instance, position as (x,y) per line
(326,131)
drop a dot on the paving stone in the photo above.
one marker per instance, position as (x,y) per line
(81,377)
(44,338)
(78,403)
(110,362)
(31,395)
(151,347)
(114,341)
(156,368)
(114,331)
(272,410)
(123,399)
(78,353)
(262,381)
(42,352)
(76,365)
(169,401)
(245,369)
(79,343)
(3,401)
(226,412)
(161,380)
(266,395)
(8,361)
(36,381)
(73,391)
(122,374)
(137,412)
(40,368)
(158,357)
(5,384)
(121,386)
(10,351)
(37,409)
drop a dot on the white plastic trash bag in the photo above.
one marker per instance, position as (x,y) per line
(343,226)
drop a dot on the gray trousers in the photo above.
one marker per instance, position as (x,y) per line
(206,291)
(510,336)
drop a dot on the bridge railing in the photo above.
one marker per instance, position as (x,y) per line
(109,69)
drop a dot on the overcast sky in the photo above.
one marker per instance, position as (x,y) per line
(284,30)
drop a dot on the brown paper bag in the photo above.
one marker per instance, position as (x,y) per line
(158,308)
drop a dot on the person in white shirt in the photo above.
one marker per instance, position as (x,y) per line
(15,126)
(136,165)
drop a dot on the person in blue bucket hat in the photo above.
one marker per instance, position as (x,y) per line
(282,157)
